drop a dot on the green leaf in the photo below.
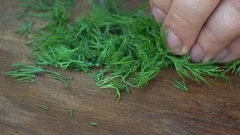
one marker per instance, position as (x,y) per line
(43,107)
(93,123)
(26,28)
(71,112)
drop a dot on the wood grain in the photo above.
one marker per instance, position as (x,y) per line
(202,110)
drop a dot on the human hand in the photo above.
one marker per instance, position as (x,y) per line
(209,29)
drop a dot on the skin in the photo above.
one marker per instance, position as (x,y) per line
(208,29)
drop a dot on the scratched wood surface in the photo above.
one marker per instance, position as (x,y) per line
(202,110)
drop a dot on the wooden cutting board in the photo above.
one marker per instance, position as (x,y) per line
(202,110)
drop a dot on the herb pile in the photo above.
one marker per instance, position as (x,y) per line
(127,48)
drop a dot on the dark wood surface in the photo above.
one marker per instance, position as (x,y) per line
(203,110)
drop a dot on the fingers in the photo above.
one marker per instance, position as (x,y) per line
(160,8)
(185,20)
(214,40)
(233,51)
(220,30)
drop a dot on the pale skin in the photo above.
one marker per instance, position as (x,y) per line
(208,29)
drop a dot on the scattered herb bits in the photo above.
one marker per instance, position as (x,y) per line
(93,123)
(172,107)
(42,107)
(181,85)
(27,73)
(26,28)
(71,112)
(66,81)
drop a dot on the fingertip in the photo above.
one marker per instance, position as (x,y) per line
(158,14)
(227,59)
(222,54)
(184,50)
(174,43)
(197,54)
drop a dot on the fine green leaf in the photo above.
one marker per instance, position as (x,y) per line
(66,81)
(181,85)
(27,73)
(43,107)
(93,123)
(26,28)
(234,67)
(172,107)
(71,112)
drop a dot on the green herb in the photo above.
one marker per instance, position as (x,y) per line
(180,85)
(71,112)
(125,47)
(197,71)
(234,67)
(172,107)
(93,123)
(66,81)
(27,73)
(43,107)
(54,11)
(26,28)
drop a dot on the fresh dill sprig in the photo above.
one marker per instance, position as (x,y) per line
(26,28)
(197,71)
(233,67)
(66,81)
(172,107)
(26,73)
(181,85)
(94,123)
(71,112)
(54,11)
(43,107)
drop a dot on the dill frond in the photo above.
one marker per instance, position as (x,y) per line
(172,107)
(27,74)
(181,85)
(233,67)
(43,107)
(26,28)
(71,112)
(66,81)
(93,123)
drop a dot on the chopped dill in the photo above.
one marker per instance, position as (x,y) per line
(26,28)
(172,107)
(181,85)
(43,107)
(128,48)
(66,81)
(93,123)
(71,112)
(234,67)
(27,73)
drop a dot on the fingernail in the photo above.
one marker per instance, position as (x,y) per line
(158,14)
(222,54)
(197,53)
(228,58)
(174,43)
(207,58)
